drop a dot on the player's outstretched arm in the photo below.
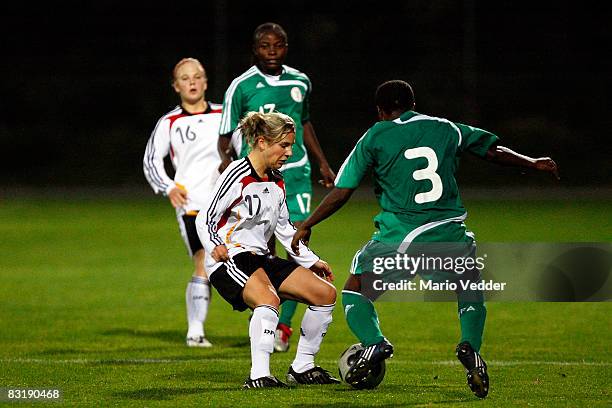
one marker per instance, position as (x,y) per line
(332,202)
(314,148)
(506,157)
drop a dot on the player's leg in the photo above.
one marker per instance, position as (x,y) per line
(303,285)
(242,282)
(197,294)
(360,314)
(362,319)
(272,248)
(197,297)
(260,295)
(286,312)
(298,203)
(284,330)
(472,316)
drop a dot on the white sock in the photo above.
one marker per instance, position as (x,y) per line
(261,331)
(197,297)
(314,326)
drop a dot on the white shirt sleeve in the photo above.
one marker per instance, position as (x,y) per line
(285,232)
(158,147)
(236,141)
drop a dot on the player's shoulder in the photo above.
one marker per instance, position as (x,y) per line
(295,73)
(377,134)
(177,110)
(236,168)
(215,107)
(165,121)
(244,78)
(379,128)
(435,119)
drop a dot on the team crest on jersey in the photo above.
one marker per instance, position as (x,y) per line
(296,94)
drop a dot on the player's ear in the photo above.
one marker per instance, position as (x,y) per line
(261,143)
(175,87)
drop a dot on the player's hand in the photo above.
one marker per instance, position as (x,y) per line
(220,254)
(302,234)
(547,164)
(224,165)
(323,269)
(328,176)
(178,197)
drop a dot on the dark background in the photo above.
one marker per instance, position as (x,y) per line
(83,85)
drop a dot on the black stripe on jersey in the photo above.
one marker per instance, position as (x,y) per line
(151,169)
(152,173)
(225,185)
(230,179)
(161,186)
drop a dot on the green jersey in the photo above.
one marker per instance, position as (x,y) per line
(287,93)
(414,159)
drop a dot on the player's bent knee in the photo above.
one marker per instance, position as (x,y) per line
(273,301)
(254,300)
(325,295)
(331,295)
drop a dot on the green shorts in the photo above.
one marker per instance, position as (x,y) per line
(451,238)
(299,193)
(440,262)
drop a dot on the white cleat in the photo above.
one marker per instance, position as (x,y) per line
(199,341)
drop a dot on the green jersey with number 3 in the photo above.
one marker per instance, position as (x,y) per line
(414,159)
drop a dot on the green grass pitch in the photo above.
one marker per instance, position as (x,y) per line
(92,303)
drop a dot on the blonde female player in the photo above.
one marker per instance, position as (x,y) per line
(248,205)
(189,135)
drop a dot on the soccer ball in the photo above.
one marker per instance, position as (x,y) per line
(346,360)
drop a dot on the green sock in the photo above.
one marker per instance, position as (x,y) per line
(361,318)
(472,317)
(287,311)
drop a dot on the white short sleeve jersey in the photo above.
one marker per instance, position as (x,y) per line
(191,142)
(243,213)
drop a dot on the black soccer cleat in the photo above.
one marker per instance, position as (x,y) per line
(263,382)
(316,375)
(368,360)
(475,367)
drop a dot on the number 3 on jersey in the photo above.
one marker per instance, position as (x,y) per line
(428,173)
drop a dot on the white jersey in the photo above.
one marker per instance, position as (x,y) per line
(191,142)
(244,212)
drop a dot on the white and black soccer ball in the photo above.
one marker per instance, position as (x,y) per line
(346,360)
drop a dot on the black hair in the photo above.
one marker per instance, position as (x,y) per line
(395,95)
(265,28)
